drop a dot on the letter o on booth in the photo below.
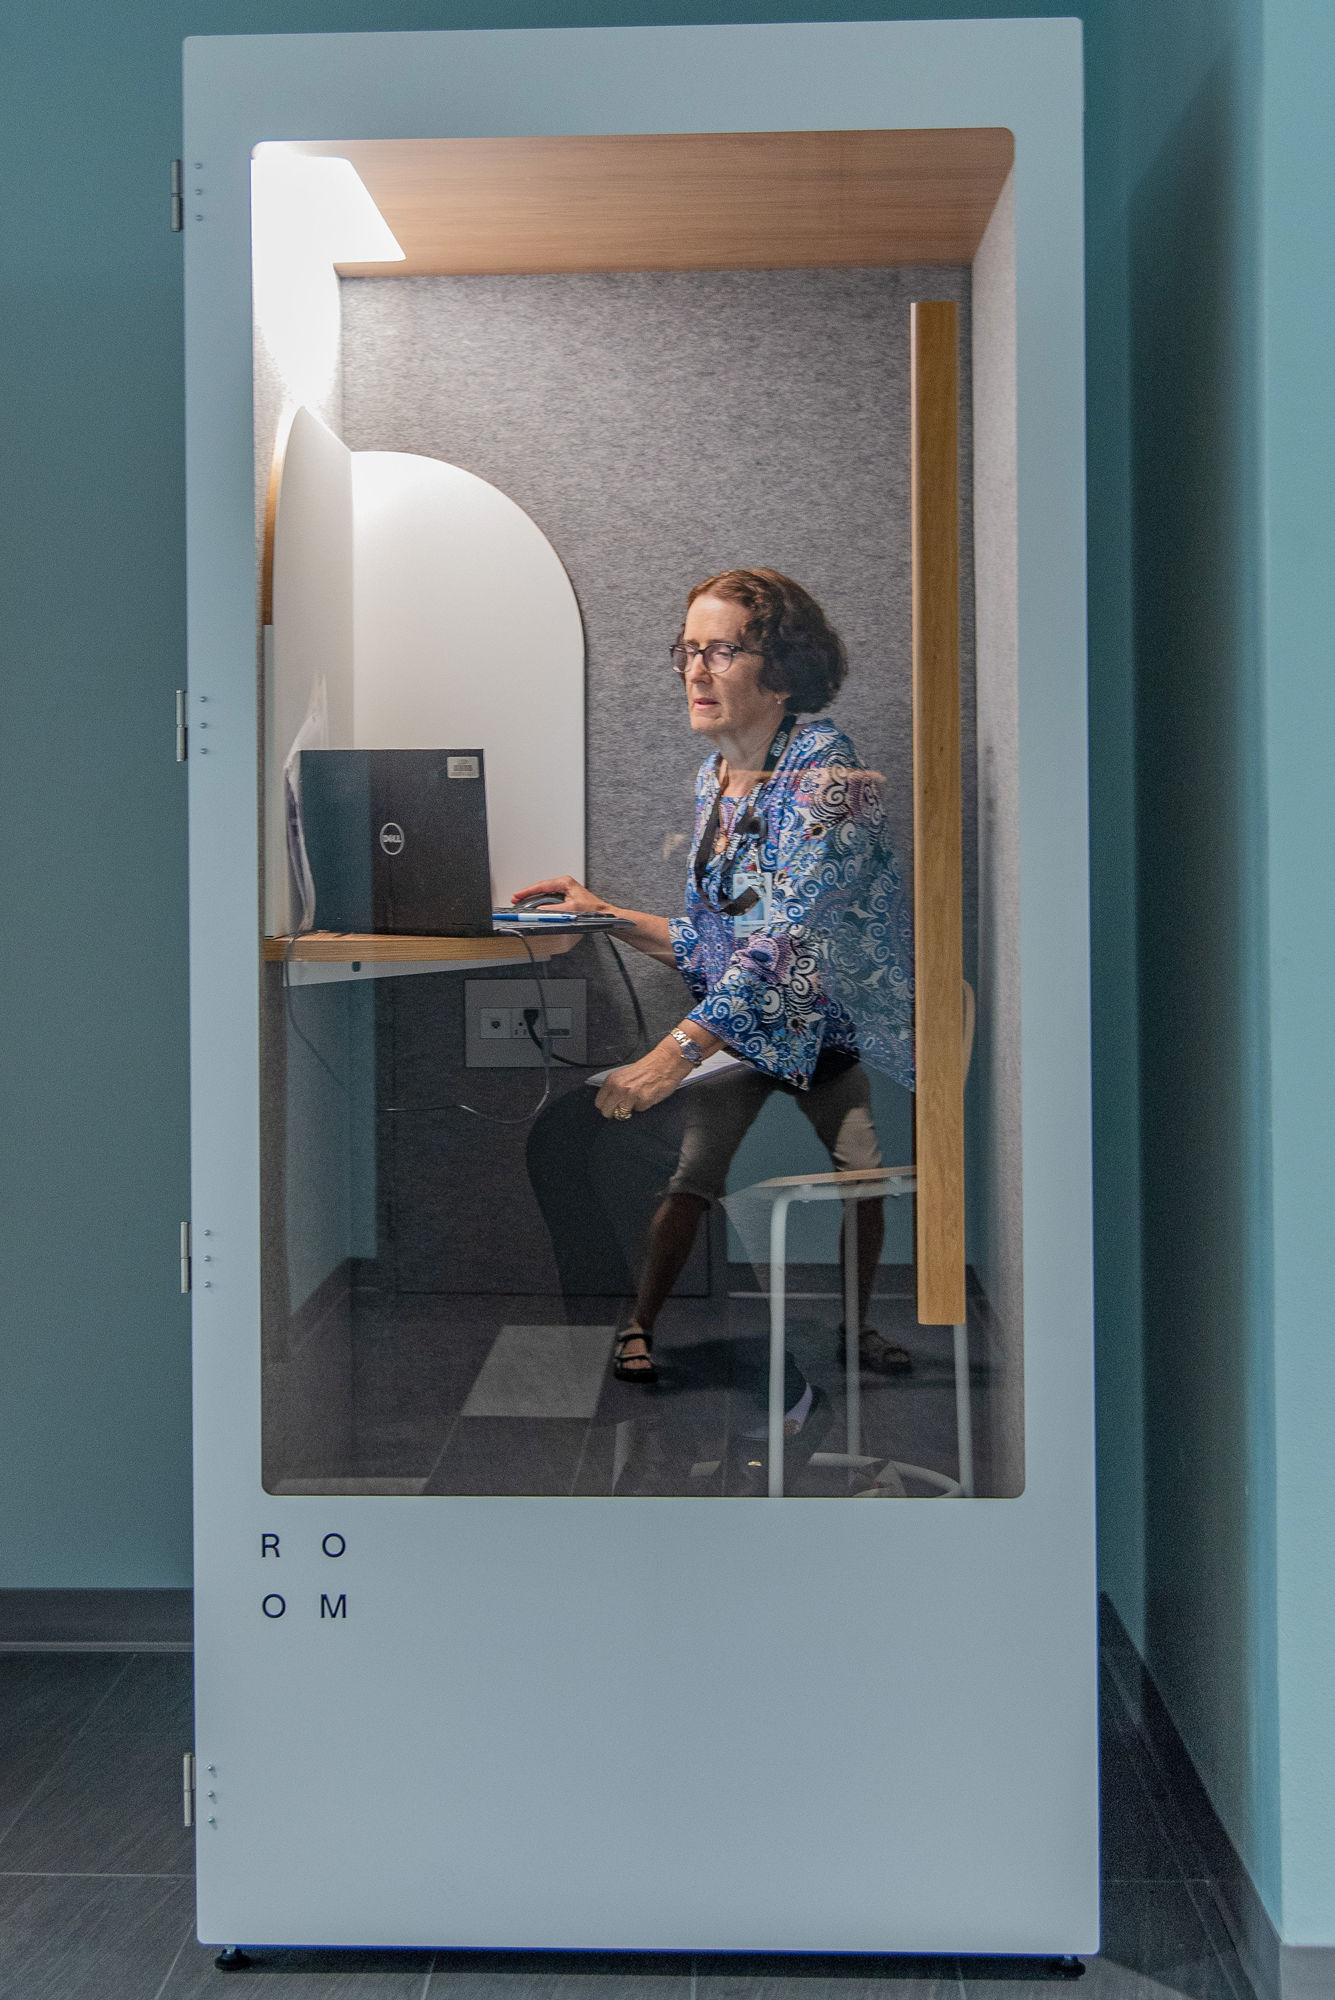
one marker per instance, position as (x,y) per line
(274,1606)
(334,1545)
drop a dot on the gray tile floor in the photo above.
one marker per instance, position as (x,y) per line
(469,1394)
(96,1895)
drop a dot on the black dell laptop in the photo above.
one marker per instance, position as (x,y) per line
(396,841)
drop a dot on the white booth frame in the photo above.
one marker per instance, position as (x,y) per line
(645,1724)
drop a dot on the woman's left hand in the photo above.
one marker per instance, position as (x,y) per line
(644,1083)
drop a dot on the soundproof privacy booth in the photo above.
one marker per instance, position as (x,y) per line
(498,345)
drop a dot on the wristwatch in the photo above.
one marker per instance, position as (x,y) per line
(689,1047)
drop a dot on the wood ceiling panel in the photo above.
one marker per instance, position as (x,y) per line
(682,201)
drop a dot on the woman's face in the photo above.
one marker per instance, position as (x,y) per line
(730,703)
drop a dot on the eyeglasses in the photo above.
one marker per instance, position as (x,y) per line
(718,655)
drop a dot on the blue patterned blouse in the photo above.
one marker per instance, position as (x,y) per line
(824,959)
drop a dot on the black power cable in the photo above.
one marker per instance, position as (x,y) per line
(491,1117)
(532,1016)
(292,1020)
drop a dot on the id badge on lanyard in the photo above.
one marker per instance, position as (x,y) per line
(748,875)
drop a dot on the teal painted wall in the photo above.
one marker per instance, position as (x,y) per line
(1213,425)
(1187,82)
(1298,214)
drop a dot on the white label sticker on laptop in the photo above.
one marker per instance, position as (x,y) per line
(461,767)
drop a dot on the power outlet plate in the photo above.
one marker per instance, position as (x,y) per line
(496,1031)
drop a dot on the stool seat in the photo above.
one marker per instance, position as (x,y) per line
(904,1179)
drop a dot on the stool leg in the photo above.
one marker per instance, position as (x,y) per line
(778,1281)
(852,1333)
(963,1410)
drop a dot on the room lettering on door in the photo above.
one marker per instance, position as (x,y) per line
(274,1604)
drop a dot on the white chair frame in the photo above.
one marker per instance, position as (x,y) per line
(871,1184)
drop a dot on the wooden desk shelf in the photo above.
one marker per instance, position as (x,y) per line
(346,947)
(322,956)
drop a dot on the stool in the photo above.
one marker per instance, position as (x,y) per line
(850,1188)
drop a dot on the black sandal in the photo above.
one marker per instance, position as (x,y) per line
(634,1367)
(877,1355)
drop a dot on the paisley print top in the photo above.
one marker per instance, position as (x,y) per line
(825,960)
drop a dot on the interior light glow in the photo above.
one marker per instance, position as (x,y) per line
(326,200)
(308,214)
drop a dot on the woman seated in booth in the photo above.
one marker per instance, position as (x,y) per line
(796,946)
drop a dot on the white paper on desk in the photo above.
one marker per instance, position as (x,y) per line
(711,1066)
(312,735)
(508,921)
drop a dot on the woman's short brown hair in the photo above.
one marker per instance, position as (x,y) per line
(803,656)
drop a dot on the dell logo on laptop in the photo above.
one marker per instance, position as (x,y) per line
(391,837)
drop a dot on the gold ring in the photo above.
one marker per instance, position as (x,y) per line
(622,1111)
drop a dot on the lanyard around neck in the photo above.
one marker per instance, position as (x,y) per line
(736,906)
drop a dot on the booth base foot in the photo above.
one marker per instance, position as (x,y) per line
(233,1959)
(1071,1968)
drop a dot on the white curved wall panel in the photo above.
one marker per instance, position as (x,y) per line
(312,640)
(467,632)
(416,607)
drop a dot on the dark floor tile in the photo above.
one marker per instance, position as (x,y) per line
(642,1964)
(453,1985)
(1154,1930)
(112,1803)
(90,1938)
(1119,1726)
(415,1360)
(1209,1907)
(302,1975)
(1018,1972)
(307,1391)
(825,1976)
(378,1457)
(398,1357)
(509,1455)
(559,1975)
(45,1698)
(658,1457)
(597,1463)
(415,1363)
(1154,1946)
(1135,1845)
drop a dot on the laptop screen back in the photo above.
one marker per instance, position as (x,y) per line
(397,841)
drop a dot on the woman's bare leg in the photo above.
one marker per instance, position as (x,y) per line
(671,1234)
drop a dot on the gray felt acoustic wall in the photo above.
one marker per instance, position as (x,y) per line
(659,427)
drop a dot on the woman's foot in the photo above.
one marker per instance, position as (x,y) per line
(631,1358)
(878,1356)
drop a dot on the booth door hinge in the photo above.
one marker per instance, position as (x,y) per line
(185,1257)
(182,733)
(178,197)
(188,1787)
